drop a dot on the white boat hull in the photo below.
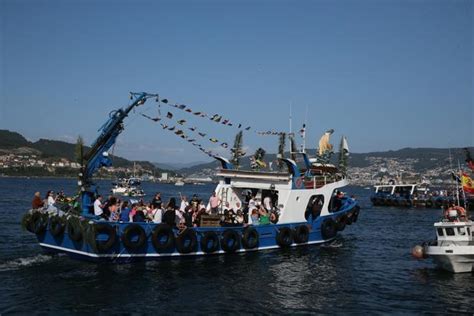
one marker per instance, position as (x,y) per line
(457,259)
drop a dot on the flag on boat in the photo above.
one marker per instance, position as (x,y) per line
(345,146)
(469,161)
(467,184)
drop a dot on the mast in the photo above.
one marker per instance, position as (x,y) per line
(304,130)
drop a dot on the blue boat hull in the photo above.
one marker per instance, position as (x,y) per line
(118,252)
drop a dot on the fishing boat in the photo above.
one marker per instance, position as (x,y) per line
(308,208)
(453,249)
(403,195)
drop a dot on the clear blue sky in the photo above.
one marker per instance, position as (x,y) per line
(387,74)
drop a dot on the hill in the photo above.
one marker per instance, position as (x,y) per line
(12,142)
(423,159)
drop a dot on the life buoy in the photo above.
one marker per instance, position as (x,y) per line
(250,238)
(39,223)
(329,229)
(460,211)
(230,241)
(284,237)
(210,242)
(301,234)
(74,232)
(341,222)
(104,229)
(186,241)
(56,226)
(134,237)
(162,238)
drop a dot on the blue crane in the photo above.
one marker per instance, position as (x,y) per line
(98,156)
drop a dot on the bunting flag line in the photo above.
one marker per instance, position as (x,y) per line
(180,133)
(156,119)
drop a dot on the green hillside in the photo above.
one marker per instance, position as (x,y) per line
(10,140)
(60,149)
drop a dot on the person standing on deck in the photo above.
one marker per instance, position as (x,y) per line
(98,206)
(214,202)
(37,203)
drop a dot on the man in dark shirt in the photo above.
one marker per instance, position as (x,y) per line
(156,202)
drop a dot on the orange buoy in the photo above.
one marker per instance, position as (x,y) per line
(418,252)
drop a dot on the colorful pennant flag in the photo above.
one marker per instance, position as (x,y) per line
(467,183)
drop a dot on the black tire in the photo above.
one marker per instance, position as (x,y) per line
(74,232)
(301,234)
(329,229)
(110,231)
(341,222)
(39,223)
(230,241)
(163,231)
(284,237)
(250,238)
(429,204)
(127,237)
(210,242)
(186,242)
(56,226)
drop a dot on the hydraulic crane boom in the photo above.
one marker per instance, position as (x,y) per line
(97,156)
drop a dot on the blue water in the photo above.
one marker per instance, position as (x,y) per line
(367,270)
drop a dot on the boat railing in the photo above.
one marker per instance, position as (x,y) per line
(318,181)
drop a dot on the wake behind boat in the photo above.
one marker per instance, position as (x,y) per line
(300,205)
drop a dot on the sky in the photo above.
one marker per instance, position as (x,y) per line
(386,74)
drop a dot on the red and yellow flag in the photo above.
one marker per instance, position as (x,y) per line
(467,183)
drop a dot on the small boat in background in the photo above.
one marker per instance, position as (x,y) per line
(128,187)
(179,183)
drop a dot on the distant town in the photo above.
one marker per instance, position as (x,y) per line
(52,158)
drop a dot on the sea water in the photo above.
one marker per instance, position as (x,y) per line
(367,270)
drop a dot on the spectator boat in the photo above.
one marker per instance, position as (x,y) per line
(306,211)
(128,187)
(453,249)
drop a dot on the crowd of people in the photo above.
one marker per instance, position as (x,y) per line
(186,213)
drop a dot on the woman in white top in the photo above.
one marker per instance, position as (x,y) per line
(50,198)
(157,215)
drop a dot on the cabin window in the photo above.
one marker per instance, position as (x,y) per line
(314,207)
(440,232)
(450,231)
(461,231)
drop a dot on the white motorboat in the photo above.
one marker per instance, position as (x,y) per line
(453,250)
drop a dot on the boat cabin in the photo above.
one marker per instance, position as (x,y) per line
(400,189)
(454,232)
(295,197)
